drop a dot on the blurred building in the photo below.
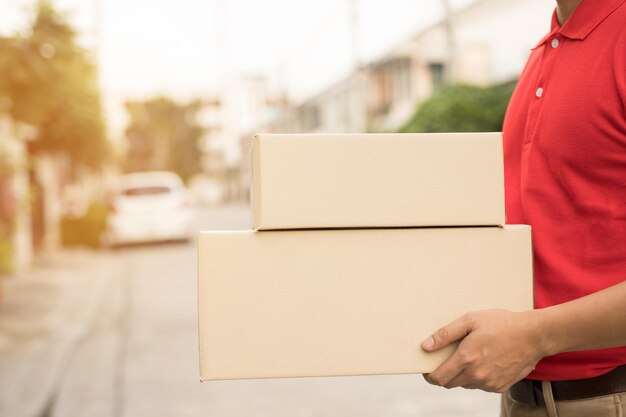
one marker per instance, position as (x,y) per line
(36,192)
(486,43)
(491,40)
(242,106)
(15,192)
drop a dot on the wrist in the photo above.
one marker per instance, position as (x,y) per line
(543,332)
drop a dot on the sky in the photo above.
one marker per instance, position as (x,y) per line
(189,48)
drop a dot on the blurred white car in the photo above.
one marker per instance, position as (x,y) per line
(148,207)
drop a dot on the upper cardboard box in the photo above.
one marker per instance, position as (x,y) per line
(377,180)
(348,302)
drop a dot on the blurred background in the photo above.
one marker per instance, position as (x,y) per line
(125,128)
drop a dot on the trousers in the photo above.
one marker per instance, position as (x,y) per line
(613,405)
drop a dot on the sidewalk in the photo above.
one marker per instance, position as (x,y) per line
(43,316)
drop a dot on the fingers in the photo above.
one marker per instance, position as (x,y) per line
(461,380)
(447,372)
(454,331)
(467,378)
(453,366)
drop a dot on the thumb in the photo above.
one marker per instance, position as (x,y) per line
(450,333)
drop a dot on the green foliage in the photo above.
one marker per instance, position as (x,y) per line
(6,251)
(462,108)
(6,257)
(6,165)
(49,82)
(86,230)
(163,135)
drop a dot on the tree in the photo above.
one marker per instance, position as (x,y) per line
(49,82)
(163,135)
(462,108)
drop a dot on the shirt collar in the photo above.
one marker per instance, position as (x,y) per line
(587,16)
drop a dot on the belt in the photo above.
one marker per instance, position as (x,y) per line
(530,392)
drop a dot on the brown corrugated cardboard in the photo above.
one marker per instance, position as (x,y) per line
(348,302)
(377,180)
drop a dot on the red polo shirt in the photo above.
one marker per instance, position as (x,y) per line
(565,167)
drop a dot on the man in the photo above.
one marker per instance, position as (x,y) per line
(565,174)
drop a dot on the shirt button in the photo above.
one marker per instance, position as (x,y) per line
(555,43)
(539,92)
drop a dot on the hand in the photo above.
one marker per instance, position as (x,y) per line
(497,349)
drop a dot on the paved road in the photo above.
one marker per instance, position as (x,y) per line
(139,358)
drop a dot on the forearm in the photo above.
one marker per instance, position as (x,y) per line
(596,321)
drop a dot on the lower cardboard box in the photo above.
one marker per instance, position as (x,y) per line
(348,302)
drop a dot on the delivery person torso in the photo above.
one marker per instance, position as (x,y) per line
(565,167)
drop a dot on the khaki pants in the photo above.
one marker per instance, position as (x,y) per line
(605,406)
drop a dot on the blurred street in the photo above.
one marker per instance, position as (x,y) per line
(120,122)
(114,333)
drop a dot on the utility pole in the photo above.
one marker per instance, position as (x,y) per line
(97,35)
(224,75)
(450,43)
(355,33)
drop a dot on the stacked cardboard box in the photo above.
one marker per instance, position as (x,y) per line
(392,237)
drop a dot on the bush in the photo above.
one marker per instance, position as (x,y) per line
(463,108)
(86,230)
(6,257)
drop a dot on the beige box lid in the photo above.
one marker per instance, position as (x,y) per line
(377,180)
(348,302)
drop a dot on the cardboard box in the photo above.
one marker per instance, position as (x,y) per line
(348,302)
(377,180)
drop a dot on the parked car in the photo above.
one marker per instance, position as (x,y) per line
(148,207)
